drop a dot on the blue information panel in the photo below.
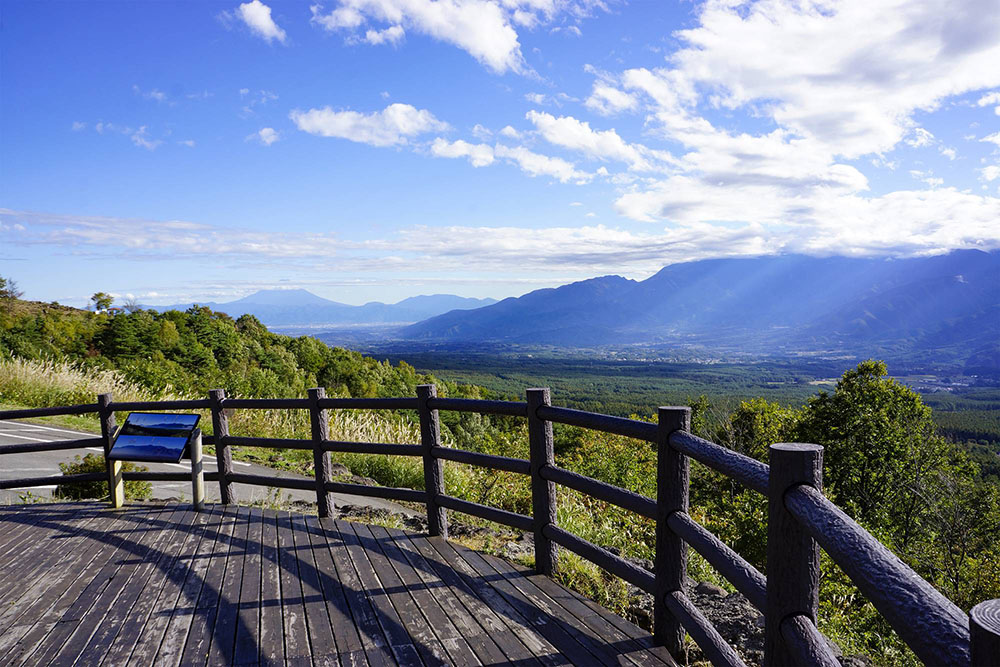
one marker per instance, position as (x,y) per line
(154,437)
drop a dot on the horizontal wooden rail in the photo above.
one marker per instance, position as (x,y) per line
(265,404)
(270,443)
(49,480)
(57,445)
(715,648)
(601,557)
(512,519)
(267,480)
(193,404)
(28,413)
(749,472)
(387,492)
(368,404)
(630,428)
(745,577)
(391,449)
(931,625)
(520,466)
(623,498)
(510,408)
(806,643)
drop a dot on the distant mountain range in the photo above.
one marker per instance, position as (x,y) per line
(299,307)
(755,303)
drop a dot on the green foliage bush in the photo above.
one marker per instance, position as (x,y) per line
(94,463)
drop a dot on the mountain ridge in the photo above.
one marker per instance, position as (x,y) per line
(294,307)
(780,300)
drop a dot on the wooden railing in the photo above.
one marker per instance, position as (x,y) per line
(801,520)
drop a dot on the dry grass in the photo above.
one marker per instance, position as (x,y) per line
(47,383)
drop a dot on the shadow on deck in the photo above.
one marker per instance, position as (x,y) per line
(162,585)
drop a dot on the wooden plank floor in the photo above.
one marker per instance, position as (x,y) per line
(162,585)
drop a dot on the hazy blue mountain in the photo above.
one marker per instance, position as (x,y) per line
(788,300)
(301,307)
(286,298)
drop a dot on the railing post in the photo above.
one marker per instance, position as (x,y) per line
(321,459)
(223,455)
(792,555)
(197,472)
(984,631)
(670,564)
(116,487)
(430,437)
(543,492)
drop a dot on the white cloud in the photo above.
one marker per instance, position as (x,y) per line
(257,16)
(392,126)
(535,164)
(479,155)
(569,30)
(990,173)
(924,222)
(77,126)
(842,74)
(187,142)
(576,203)
(920,138)
(992,138)
(479,27)
(574,134)
(510,132)
(482,133)
(989,100)
(831,83)
(141,138)
(266,136)
(153,94)
(608,100)
(254,100)
(391,35)
(537,98)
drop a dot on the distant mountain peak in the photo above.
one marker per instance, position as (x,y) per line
(284,297)
(295,307)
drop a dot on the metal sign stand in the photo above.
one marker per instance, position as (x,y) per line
(153,438)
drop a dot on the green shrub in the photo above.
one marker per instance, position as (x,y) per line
(134,490)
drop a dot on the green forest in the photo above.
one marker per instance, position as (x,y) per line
(885,461)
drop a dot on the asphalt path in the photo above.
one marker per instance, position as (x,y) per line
(42,464)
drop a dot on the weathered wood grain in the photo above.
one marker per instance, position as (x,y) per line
(154,585)
(430,437)
(792,553)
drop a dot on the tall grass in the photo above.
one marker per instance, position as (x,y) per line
(34,384)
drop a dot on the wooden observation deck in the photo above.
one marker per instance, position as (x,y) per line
(163,585)
(83,584)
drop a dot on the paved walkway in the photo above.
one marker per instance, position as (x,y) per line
(162,585)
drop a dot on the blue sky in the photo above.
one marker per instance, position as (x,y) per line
(378,149)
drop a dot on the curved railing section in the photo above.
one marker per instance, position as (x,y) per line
(801,520)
